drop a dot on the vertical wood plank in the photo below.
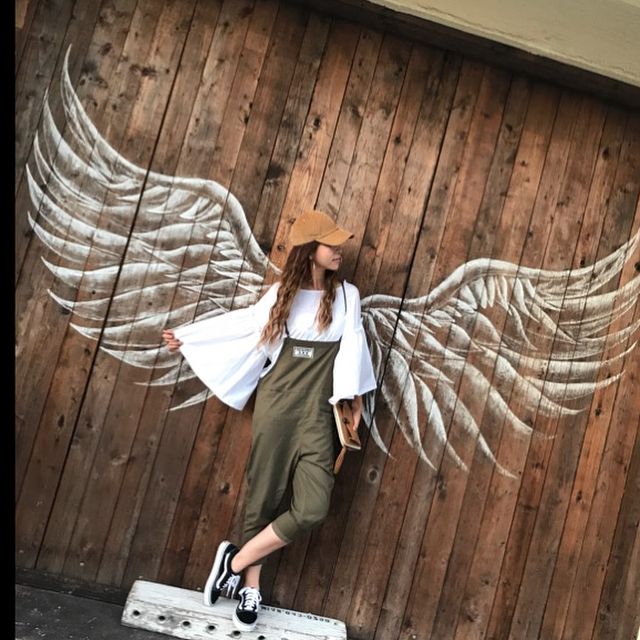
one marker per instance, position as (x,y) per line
(51,414)
(56,25)
(426,149)
(24,12)
(150,526)
(34,309)
(481,159)
(303,188)
(162,491)
(537,231)
(509,237)
(557,458)
(343,148)
(391,504)
(217,512)
(149,83)
(285,149)
(618,615)
(613,409)
(603,187)
(422,489)
(422,66)
(440,201)
(490,542)
(246,182)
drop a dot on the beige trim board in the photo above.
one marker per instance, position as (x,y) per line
(600,36)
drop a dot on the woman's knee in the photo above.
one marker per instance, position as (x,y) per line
(313,514)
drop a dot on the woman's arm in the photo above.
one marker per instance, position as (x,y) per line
(356,404)
(260,310)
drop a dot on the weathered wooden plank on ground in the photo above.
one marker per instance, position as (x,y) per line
(182,614)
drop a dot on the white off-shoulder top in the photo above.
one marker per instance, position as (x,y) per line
(222,350)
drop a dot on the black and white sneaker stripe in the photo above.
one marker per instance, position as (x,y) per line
(222,578)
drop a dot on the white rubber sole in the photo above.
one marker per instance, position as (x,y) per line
(242,626)
(222,547)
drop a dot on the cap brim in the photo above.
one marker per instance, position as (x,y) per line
(336,237)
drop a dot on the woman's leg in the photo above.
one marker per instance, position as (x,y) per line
(252,576)
(261,545)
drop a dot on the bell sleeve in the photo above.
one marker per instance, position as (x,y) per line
(353,373)
(223,350)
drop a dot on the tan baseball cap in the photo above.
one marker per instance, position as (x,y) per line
(312,224)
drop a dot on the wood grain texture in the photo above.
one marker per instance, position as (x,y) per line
(433,159)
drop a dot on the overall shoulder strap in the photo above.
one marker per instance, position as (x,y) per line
(344,295)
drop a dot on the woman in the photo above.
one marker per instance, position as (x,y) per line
(308,326)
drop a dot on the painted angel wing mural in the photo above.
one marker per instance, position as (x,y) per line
(427,342)
(192,253)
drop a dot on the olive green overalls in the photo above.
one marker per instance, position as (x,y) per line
(294,439)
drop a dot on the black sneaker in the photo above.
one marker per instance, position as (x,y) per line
(246,613)
(222,578)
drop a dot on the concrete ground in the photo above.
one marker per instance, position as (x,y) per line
(41,613)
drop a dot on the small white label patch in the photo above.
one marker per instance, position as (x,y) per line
(303,352)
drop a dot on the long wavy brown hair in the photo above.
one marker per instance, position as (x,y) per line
(297,271)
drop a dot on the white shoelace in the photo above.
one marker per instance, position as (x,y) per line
(232,582)
(251,598)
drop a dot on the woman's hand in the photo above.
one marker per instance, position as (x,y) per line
(356,405)
(170,339)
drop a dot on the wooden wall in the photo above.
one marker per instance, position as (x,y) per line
(433,159)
